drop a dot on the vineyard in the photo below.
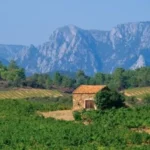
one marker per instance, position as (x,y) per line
(26,93)
(138,92)
(116,129)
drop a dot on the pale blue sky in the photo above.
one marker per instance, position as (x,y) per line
(32,21)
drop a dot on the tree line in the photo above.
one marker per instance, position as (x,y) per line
(12,74)
(120,79)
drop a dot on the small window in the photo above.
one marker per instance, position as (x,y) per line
(89,104)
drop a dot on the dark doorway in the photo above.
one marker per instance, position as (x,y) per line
(89,104)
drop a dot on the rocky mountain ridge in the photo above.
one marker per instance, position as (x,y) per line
(71,48)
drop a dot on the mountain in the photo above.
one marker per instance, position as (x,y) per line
(71,48)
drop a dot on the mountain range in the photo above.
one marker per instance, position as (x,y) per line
(71,48)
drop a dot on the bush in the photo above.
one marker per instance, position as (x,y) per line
(108,99)
(77,115)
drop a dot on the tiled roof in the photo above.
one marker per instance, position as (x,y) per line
(88,89)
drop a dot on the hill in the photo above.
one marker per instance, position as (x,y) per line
(71,48)
(28,93)
(137,92)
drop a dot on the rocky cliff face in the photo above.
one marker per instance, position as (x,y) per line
(70,48)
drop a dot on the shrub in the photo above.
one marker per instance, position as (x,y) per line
(77,115)
(108,99)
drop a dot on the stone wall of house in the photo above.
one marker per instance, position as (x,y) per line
(79,100)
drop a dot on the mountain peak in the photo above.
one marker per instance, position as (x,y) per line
(68,28)
(65,32)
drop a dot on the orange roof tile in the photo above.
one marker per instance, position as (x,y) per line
(88,89)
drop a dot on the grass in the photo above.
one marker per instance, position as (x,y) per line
(137,92)
(26,93)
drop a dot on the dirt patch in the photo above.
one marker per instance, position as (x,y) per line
(59,115)
(127,94)
(140,130)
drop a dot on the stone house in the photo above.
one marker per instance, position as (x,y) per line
(83,96)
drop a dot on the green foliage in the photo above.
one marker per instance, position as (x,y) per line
(131,100)
(57,78)
(99,78)
(146,99)
(52,103)
(13,74)
(39,81)
(21,128)
(108,99)
(120,79)
(77,115)
(67,82)
(81,78)
(12,65)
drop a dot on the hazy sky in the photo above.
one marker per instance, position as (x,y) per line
(32,21)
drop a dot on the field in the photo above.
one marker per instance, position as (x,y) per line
(137,92)
(26,93)
(59,114)
(25,123)
(22,128)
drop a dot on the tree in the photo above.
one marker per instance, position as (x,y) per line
(12,65)
(1,65)
(80,73)
(2,70)
(143,73)
(57,78)
(91,81)
(118,79)
(131,78)
(67,82)
(107,99)
(81,78)
(21,73)
(48,83)
(17,81)
(99,78)
(41,80)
